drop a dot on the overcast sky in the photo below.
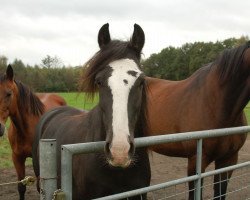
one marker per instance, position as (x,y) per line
(32,29)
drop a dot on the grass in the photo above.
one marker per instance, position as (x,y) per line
(247,113)
(5,153)
(76,100)
(79,100)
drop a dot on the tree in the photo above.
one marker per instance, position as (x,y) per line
(179,63)
(52,62)
(3,63)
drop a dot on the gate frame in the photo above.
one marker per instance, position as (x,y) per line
(67,152)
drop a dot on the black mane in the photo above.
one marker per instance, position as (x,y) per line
(142,126)
(230,61)
(28,102)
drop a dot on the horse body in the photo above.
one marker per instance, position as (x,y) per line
(213,97)
(119,117)
(92,175)
(51,100)
(24,109)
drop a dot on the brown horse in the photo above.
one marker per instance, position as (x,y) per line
(24,109)
(213,97)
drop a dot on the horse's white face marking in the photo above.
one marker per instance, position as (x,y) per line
(125,73)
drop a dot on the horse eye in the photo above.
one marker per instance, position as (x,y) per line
(98,82)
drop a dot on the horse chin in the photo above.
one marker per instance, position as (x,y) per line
(120,164)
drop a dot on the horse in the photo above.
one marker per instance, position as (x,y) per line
(118,118)
(213,97)
(24,108)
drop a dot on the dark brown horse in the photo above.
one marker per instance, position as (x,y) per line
(213,97)
(119,117)
(24,108)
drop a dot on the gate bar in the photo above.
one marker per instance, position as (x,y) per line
(71,149)
(172,183)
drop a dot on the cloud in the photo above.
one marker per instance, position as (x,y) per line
(30,29)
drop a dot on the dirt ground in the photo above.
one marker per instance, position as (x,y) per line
(163,169)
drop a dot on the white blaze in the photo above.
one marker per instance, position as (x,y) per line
(120,83)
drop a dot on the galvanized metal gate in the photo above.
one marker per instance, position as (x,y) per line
(48,173)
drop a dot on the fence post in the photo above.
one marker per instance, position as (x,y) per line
(48,168)
(198,170)
(66,172)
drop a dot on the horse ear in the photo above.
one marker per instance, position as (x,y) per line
(138,39)
(10,73)
(103,35)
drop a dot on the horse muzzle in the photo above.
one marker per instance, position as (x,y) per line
(119,155)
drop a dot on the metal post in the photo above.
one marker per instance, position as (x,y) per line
(198,170)
(66,172)
(48,172)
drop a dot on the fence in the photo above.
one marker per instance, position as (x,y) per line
(48,169)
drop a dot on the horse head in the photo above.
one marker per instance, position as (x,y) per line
(7,89)
(120,83)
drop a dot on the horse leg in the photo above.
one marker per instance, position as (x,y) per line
(221,180)
(19,163)
(192,171)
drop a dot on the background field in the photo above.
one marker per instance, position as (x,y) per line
(73,99)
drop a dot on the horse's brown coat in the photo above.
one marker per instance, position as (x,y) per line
(213,97)
(24,108)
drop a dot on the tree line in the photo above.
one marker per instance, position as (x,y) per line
(50,76)
(172,63)
(179,63)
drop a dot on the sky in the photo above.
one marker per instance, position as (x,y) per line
(32,29)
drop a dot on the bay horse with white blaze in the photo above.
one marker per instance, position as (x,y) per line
(213,97)
(24,108)
(119,117)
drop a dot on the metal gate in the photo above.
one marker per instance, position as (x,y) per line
(48,175)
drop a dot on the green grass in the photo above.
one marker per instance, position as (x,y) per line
(79,100)
(5,153)
(247,112)
(76,100)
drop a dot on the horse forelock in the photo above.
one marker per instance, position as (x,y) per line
(115,50)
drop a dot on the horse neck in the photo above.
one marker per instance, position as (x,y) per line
(227,99)
(21,119)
